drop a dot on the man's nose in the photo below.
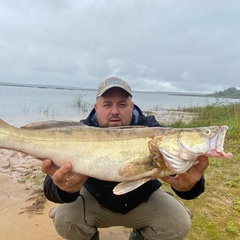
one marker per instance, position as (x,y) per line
(114,110)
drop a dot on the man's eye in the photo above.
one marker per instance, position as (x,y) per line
(106,105)
(123,105)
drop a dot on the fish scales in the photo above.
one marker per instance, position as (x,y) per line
(77,145)
(124,154)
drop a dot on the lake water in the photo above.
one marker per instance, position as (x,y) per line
(20,105)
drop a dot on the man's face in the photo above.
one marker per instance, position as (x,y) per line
(114,108)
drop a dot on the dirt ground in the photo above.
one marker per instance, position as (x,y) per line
(24,209)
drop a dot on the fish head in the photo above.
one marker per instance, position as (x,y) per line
(206,141)
(180,148)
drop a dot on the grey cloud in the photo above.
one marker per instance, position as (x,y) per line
(155,45)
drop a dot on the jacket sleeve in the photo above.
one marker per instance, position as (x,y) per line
(194,192)
(55,194)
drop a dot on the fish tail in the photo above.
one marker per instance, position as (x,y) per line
(3,123)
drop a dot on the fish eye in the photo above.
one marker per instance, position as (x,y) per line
(207,131)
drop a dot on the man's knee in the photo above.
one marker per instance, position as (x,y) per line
(71,226)
(63,228)
(178,230)
(63,222)
(62,225)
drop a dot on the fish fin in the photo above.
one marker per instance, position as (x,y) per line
(129,127)
(4,124)
(125,187)
(52,124)
(176,163)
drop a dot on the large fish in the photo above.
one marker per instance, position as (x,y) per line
(129,155)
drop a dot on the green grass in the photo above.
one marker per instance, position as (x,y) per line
(216,212)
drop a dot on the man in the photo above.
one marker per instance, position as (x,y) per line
(87,204)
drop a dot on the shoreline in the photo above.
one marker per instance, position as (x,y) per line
(58,87)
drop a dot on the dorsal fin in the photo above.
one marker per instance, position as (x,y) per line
(52,124)
(129,127)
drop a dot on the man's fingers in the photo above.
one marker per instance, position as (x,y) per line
(76,179)
(62,177)
(61,174)
(48,167)
(202,164)
(75,182)
(171,180)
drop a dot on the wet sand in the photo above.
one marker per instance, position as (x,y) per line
(23,207)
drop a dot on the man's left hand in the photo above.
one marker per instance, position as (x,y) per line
(185,182)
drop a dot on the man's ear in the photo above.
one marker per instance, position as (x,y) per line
(132,105)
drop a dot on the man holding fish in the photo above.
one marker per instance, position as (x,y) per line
(87,204)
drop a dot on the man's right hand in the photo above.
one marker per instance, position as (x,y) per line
(62,177)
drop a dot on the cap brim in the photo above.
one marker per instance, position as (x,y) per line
(113,86)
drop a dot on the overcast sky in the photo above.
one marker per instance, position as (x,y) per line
(166,45)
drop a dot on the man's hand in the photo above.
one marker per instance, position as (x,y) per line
(186,181)
(62,177)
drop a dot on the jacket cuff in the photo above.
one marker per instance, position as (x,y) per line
(198,189)
(67,197)
(55,194)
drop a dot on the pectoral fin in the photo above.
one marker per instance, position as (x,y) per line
(125,187)
(177,163)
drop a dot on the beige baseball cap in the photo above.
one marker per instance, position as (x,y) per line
(111,83)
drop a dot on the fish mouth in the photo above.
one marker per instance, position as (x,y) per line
(216,149)
(219,154)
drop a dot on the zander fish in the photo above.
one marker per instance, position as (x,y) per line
(129,155)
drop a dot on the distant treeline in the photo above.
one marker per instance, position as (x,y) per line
(231,92)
